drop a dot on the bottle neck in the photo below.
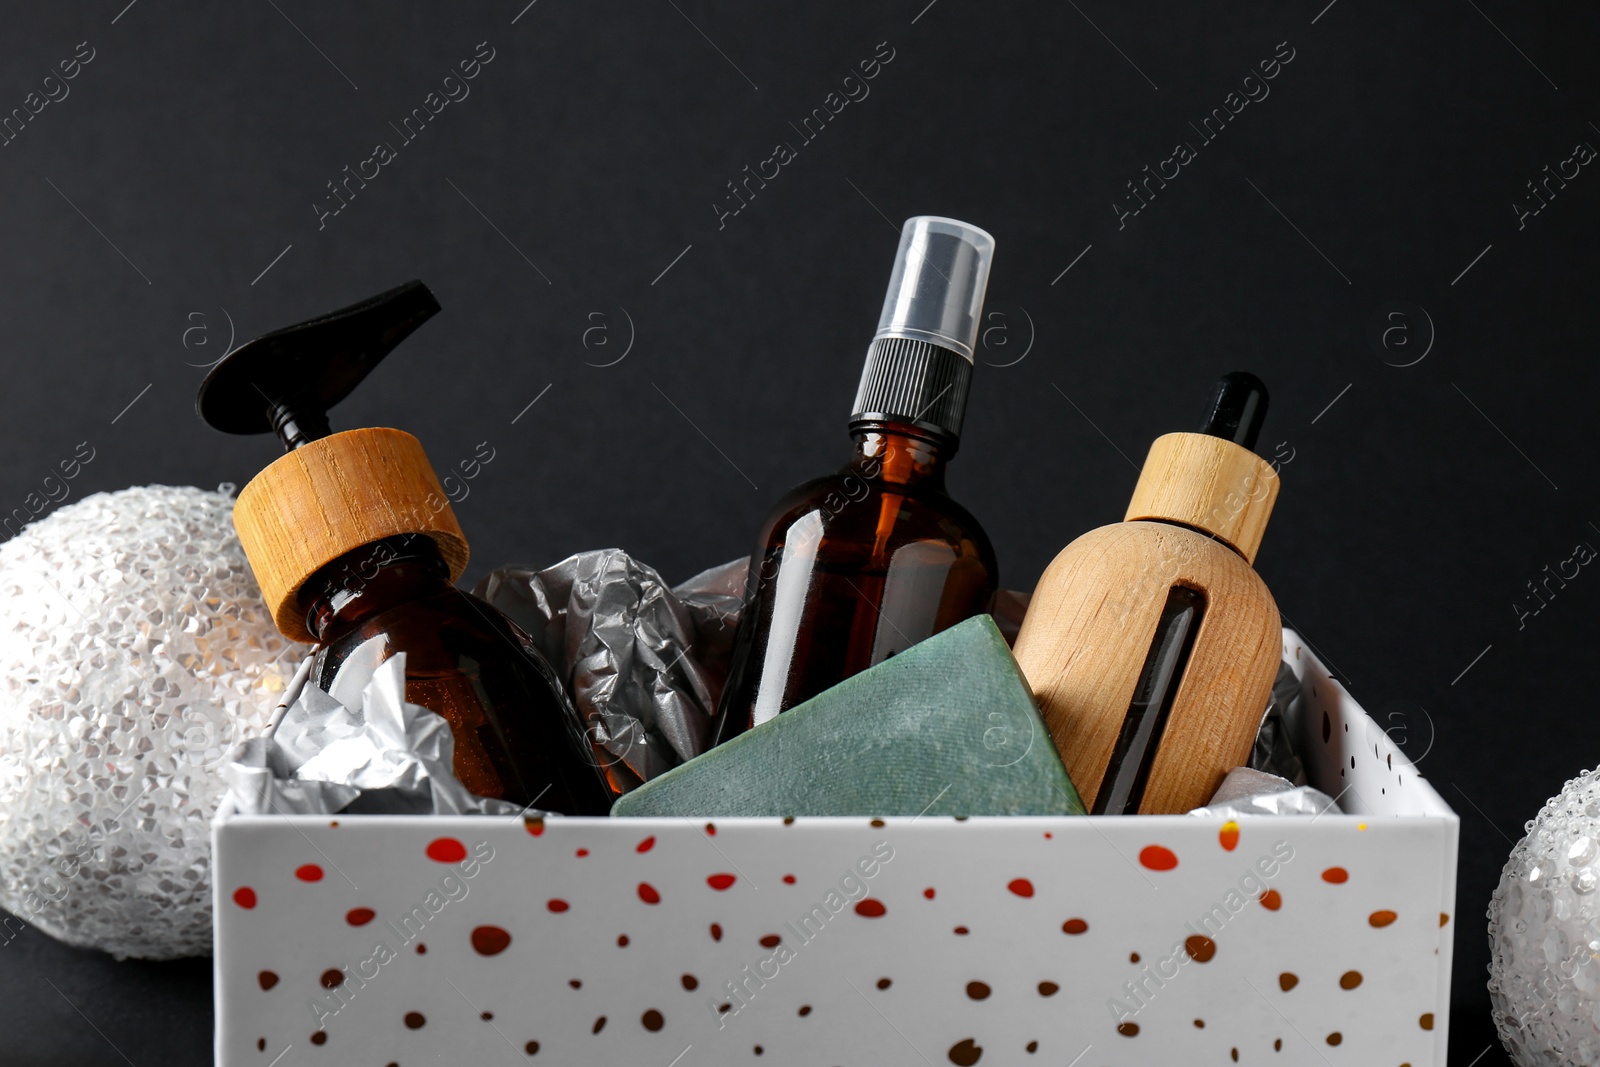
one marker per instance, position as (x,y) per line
(372,579)
(901,454)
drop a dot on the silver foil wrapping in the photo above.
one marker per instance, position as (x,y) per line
(1272,752)
(1250,792)
(643,662)
(714,599)
(382,755)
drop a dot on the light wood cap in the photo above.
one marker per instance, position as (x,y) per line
(1210,484)
(312,505)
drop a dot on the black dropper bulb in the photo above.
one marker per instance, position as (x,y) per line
(1238,408)
(284,382)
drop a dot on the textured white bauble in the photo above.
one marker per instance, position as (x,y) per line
(1544,933)
(135,651)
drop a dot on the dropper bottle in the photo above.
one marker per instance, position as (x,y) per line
(1151,645)
(354,544)
(853,567)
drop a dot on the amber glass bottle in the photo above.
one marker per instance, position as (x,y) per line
(861,564)
(514,736)
(353,542)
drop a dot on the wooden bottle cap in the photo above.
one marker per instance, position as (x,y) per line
(331,496)
(1211,484)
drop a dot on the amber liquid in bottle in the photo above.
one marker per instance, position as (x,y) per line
(851,569)
(516,736)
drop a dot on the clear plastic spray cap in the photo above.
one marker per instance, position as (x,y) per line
(936,290)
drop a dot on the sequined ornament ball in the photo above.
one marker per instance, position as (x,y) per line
(135,651)
(1544,933)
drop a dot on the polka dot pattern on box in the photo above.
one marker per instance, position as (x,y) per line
(1035,963)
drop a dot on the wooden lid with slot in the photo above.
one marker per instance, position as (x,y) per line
(330,497)
(1208,483)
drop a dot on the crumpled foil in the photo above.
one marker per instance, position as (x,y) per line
(1544,922)
(1272,752)
(380,756)
(135,652)
(644,663)
(1251,792)
(714,599)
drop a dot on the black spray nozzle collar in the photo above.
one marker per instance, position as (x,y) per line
(1238,409)
(284,382)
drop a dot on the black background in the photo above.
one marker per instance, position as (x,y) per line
(1386,159)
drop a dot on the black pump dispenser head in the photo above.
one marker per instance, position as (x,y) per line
(1238,409)
(284,382)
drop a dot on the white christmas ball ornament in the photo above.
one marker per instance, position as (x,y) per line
(1544,932)
(135,652)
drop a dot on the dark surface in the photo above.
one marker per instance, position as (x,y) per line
(599,140)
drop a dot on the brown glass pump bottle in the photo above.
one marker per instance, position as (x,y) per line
(355,547)
(1152,644)
(858,565)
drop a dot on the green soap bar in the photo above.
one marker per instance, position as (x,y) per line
(947,727)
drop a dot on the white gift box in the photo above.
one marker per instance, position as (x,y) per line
(1094,941)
